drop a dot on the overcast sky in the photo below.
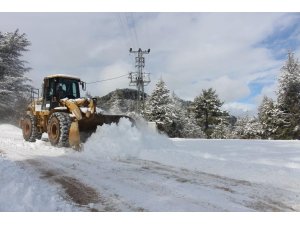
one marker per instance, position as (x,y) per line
(237,54)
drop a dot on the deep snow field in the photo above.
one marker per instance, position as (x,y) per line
(123,168)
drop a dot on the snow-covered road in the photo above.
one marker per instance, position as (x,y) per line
(126,169)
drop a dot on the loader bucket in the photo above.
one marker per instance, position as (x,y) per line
(89,125)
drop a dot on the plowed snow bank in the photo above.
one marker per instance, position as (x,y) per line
(124,141)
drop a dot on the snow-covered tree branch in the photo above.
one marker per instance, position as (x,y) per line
(13,82)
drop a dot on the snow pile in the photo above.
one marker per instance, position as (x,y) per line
(123,141)
(23,191)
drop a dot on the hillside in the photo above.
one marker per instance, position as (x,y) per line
(124,100)
(119,101)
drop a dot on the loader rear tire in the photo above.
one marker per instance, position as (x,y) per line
(29,129)
(58,129)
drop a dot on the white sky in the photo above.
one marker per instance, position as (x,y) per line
(190,51)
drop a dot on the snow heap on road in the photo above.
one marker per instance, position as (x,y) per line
(123,141)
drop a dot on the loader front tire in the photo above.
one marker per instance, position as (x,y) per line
(58,129)
(29,129)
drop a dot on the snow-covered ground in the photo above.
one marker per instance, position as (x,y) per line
(123,168)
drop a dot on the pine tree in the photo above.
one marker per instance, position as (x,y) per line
(159,109)
(247,128)
(191,129)
(223,129)
(239,128)
(289,97)
(13,83)
(117,102)
(288,82)
(178,118)
(275,123)
(186,124)
(207,110)
(266,116)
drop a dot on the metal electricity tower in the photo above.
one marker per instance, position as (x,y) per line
(140,79)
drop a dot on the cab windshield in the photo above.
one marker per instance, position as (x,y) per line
(67,88)
(63,88)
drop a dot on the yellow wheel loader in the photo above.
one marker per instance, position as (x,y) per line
(61,112)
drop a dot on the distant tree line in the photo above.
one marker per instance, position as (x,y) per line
(204,118)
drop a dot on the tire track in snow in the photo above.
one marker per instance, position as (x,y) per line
(81,194)
(256,197)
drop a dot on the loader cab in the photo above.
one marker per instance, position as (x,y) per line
(57,87)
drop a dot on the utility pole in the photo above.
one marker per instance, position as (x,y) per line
(139,78)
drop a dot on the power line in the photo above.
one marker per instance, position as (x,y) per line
(123,32)
(130,27)
(113,78)
(134,29)
(125,29)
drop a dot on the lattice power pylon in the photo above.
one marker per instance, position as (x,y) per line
(140,79)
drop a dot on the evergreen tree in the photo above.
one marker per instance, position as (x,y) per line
(178,118)
(186,124)
(247,128)
(117,103)
(13,85)
(191,129)
(207,110)
(289,97)
(160,109)
(275,123)
(239,128)
(266,116)
(222,130)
